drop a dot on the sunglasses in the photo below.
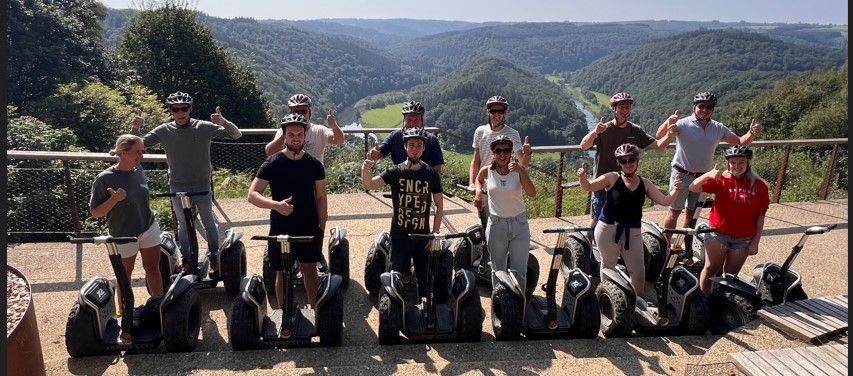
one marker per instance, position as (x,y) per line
(709,107)
(179,109)
(624,161)
(502,150)
(300,112)
(497,112)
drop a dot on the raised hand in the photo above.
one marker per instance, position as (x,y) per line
(117,194)
(367,164)
(525,147)
(374,154)
(514,164)
(216,117)
(330,117)
(755,127)
(677,184)
(581,173)
(671,128)
(601,126)
(284,207)
(138,120)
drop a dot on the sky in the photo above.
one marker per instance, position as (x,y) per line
(788,11)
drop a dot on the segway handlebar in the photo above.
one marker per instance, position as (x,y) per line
(104,239)
(557,230)
(174,194)
(437,235)
(285,238)
(815,230)
(688,230)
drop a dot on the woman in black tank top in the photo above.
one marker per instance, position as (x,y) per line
(619,229)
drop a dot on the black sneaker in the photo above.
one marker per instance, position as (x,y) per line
(148,313)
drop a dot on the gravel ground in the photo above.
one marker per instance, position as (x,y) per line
(17,299)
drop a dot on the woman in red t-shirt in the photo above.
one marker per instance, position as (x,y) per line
(740,202)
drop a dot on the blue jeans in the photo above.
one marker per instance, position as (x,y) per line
(509,237)
(204,206)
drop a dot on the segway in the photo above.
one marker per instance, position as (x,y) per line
(736,301)
(678,306)
(339,264)
(451,310)
(470,253)
(655,243)
(515,314)
(249,326)
(232,253)
(93,327)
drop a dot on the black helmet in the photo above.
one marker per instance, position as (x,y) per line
(627,150)
(705,97)
(416,132)
(412,107)
(500,139)
(179,98)
(738,151)
(497,99)
(294,119)
(297,100)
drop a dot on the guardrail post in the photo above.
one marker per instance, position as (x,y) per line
(558,200)
(780,176)
(827,176)
(75,217)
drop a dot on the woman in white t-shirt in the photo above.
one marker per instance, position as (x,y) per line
(507,230)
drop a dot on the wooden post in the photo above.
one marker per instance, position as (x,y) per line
(75,218)
(780,176)
(558,200)
(827,176)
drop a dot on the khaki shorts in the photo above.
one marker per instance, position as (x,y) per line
(149,238)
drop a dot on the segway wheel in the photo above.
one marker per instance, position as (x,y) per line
(461,255)
(182,322)
(729,310)
(579,256)
(390,319)
(268,273)
(330,321)
(243,327)
(470,327)
(654,251)
(587,318)
(80,337)
(443,276)
(617,310)
(233,265)
(506,314)
(339,263)
(532,275)
(374,266)
(696,322)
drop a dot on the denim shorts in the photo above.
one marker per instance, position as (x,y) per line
(730,243)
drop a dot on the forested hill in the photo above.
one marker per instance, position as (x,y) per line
(664,75)
(385,32)
(538,108)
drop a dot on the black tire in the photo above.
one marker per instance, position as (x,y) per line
(587,322)
(506,314)
(470,327)
(461,255)
(374,266)
(330,321)
(389,319)
(80,337)
(797,294)
(233,268)
(182,322)
(654,252)
(339,263)
(532,275)
(696,322)
(617,310)
(268,273)
(578,256)
(243,327)
(729,310)
(443,277)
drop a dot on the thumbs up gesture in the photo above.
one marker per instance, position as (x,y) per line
(671,128)
(138,120)
(330,117)
(755,127)
(284,207)
(216,117)
(601,126)
(525,147)
(117,194)
(374,154)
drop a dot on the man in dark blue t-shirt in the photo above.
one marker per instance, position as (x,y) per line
(414,186)
(298,205)
(413,117)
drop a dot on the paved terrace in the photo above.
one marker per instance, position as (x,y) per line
(50,269)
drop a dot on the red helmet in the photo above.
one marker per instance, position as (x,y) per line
(497,99)
(627,150)
(621,97)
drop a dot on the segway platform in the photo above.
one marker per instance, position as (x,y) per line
(302,330)
(416,323)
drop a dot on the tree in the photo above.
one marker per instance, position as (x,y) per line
(171,51)
(52,42)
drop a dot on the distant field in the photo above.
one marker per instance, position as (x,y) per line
(386,117)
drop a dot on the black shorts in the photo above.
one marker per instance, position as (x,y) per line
(302,252)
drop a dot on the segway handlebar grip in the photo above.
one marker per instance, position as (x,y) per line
(815,230)
(103,239)
(556,230)
(437,235)
(173,194)
(386,194)
(285,238)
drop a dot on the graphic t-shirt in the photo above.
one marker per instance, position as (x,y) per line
(411,193)
(293,178)
(737,203)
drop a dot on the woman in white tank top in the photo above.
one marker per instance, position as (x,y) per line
(507,230)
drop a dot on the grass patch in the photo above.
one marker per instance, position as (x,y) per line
(386,117)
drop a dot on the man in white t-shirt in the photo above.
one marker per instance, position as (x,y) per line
(316,136)
(496,108)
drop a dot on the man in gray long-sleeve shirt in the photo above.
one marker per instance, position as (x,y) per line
(187,145)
